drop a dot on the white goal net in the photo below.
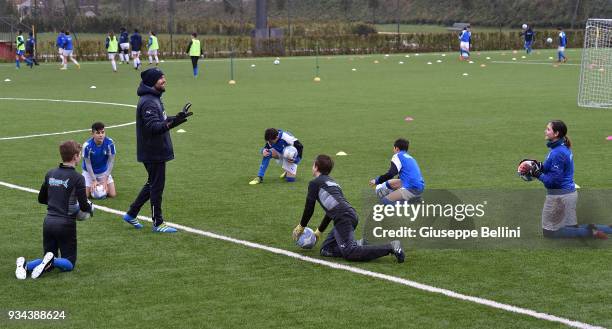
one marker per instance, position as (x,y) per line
(596,69)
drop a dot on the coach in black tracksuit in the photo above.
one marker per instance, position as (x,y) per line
(153,144)
(341,241)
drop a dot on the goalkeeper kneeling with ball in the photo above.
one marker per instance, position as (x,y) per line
(557,174)
(340,242)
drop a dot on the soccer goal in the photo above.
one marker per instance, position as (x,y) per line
(595,88)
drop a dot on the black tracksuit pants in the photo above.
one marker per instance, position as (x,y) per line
(152,190)
(60,238)
(340,242)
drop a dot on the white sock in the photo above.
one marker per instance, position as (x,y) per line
(150,59)
(156,59)
(114,65)
(74,60)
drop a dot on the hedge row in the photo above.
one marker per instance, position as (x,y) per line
(352,44)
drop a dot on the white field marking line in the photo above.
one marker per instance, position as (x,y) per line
(356,270)
(533,63)
(64,101)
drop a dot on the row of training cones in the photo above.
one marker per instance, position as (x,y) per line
(233,82)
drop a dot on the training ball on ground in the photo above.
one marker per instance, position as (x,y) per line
(524,26)
(276,62)
(290,152)
(548,40)
(99,192)
(307,240)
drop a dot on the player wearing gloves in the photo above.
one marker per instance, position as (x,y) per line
(410,184)
(340,242)
(153,146)
(557,174)
(285,148)
(63,191)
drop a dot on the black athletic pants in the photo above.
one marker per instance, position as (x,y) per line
(60,238)
(194,61)
(340,242)
(152,190)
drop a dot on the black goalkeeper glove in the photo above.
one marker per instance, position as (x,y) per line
(185,111)
(536,169)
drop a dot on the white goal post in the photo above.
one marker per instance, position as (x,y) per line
(595,88)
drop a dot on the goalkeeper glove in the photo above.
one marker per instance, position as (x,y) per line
(536,169)
(91,207)
(297,231)
(185,110)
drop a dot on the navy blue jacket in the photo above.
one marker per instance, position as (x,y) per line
(153,143)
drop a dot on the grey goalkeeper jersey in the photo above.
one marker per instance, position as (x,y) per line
(329,195)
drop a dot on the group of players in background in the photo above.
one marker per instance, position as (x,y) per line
(528,35)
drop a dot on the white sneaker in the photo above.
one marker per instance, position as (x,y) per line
(20,271)
(40,269)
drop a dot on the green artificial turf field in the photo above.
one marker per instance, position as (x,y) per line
(468,132)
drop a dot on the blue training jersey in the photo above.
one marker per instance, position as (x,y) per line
(30,44)
(136,42)
(562,39)
(558,169)
(68,42)
(59,42)
(529,35)
(98,154)
(465,36)
(123,37)
(284,139)
(409,171)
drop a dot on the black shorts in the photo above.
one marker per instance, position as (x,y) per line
(60,238)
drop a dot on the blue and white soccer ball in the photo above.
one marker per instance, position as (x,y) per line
(290,152)
(99,192)
(549,40)
(524,26)
(277,61)
(307,240)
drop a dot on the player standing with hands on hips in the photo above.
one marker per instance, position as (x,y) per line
(153,146)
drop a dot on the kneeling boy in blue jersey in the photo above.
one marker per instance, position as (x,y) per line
(340,242)
(63,191)
(98,160)
(410,184)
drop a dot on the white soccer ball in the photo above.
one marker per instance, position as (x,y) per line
(524,26)
(290,152)
(99,192)
(80,215)
(276,61)
(549,40)
(307,240)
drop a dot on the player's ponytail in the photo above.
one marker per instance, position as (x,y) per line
(559,126)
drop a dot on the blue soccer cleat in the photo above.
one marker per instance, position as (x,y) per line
(132,221)
(163,228)
(40,269)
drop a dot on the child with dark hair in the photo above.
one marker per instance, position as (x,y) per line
(98,161)
(285,148)
(559,218)
(410,184)
(340,242)
(63,191)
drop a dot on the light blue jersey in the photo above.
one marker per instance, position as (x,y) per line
(98,155)
(409,171)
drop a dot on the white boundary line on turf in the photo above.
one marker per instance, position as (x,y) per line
(356,270)
(64,101)
(532,63)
